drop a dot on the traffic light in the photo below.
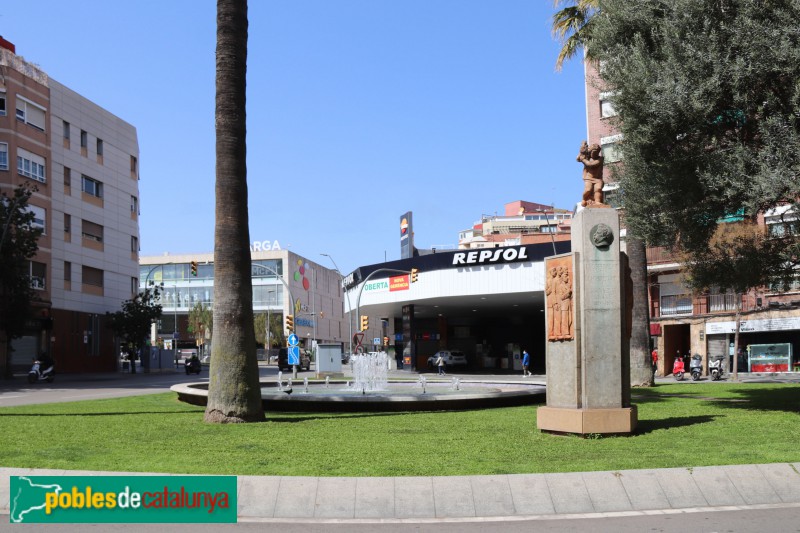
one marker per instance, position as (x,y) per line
(290,322)
(364,322)
(386,341)
(194,268)
(414,272)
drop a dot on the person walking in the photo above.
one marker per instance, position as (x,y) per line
(440,364)
(526,361)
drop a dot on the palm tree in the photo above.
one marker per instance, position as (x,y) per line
(233,393)
(572,26)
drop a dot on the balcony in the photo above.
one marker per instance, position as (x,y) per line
(676,304)
(657,255)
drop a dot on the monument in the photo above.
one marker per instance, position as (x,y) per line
(588,295)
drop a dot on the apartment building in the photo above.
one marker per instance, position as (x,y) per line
(522,223)
(84,163)
(704,324)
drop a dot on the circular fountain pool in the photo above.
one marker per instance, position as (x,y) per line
(409,395)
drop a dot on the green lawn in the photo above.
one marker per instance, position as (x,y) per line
(691,424)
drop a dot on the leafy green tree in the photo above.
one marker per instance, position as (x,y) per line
(201,322)
(234,393)
(573,26)
(276,336)
(18,245)
(132,323)
(708,102)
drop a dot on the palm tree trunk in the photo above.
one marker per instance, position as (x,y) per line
(641,363)
(234,394)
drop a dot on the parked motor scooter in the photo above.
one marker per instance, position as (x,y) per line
(678,369)
(715,368)
(696,367)
(41,371)
(192,365)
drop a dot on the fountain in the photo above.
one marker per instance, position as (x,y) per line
(369,389)
(370,372)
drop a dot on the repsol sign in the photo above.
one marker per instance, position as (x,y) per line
(493,255)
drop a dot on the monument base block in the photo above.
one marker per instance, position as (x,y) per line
(585,421)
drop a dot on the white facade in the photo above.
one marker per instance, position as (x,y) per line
(116,258)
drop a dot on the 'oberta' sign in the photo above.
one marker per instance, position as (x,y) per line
(494,255)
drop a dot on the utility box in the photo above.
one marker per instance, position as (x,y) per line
(329,360)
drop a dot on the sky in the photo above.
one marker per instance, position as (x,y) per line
(357,111)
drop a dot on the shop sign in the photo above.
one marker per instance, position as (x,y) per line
(493,255)
(265,246)
(398,283)
(376,286)
(747,326)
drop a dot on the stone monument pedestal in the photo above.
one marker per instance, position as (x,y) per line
(588,303)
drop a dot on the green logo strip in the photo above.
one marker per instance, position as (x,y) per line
(122,499)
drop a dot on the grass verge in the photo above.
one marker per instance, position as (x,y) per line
(692,424)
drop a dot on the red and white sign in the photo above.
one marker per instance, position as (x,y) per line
(398,283)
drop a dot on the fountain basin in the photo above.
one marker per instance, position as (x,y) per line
(399,396)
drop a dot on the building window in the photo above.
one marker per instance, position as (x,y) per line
(39,217)
(92,231)
(67,271)
(134,205)
(30,165)
(30,113)
(606,107)
(134,286)
(612,150)
(92,276)
(38,273)
(134,165)
(67,223)
(3,156)
(90,186)
(99,146)
(134,243)
(66,130)
(2,103)
(67,177)
(84,139)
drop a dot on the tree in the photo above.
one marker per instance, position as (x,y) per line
(234,394)
(709,106)
(133,322)
(18,245)
(276,336)
(201,322)
(573,26)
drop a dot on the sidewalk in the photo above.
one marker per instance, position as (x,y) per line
(513,496)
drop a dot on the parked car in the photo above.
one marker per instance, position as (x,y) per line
(283,360)
(451,357)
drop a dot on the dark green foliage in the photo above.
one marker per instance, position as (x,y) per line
(18,245)
(132,322)
(708,96)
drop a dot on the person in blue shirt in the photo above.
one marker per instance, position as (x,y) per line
(526,361)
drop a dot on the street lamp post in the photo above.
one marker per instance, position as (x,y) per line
(347,295)
(552,238)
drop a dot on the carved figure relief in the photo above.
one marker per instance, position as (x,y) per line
(592,159)
(558,298)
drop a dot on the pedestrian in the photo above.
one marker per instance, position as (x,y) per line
(440,364)
(526,361)
(654,355)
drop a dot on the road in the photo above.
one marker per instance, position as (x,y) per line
(70,388)
(752,520)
